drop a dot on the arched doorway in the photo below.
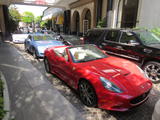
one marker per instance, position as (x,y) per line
(88,17)
(86,20)
(76,23)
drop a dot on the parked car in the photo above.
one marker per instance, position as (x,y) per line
(19,38)
(65,38)
(107,82)
(37,43)
(156,113)
(138,45)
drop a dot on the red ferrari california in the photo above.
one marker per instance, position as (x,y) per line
(102,81)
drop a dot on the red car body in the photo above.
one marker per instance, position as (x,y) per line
(123,73)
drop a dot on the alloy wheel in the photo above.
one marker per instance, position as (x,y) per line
(152,70)
(87,94)
(25,48)
(46,64)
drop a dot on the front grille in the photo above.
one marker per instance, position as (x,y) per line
(139,98)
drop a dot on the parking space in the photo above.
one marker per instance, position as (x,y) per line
(143,112)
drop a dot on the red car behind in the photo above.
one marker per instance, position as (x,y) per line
(102,81)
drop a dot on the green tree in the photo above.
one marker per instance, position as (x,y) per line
(38,19)
(46,23)
(43,23)
(27,17)
(14,14)
(14,18)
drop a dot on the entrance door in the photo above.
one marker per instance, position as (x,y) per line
(77,23)
(129,13)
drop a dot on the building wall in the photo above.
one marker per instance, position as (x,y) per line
(149,14)
(81,7)
(2,24)
(104,8)
(112,19)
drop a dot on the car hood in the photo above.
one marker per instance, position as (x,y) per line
(48,43)
(43,45)
(157,46)
(123,73)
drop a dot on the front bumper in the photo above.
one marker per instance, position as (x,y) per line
(122,102)
(40,55)
(18,41)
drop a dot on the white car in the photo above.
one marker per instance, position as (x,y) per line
(19,38)
(156,113)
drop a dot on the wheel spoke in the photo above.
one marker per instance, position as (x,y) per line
(153,66)
(88,100)
(148,69)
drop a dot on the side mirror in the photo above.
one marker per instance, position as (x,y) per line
(134,42)
(82,40)
(29,39)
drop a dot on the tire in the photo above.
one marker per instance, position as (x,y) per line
(87,93)
(35,54)
(47,66)
(152,71)
(25,49)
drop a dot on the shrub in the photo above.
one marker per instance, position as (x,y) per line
(156,31)
(2,111)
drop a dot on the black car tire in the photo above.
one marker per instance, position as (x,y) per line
(25,48)
(35,54)
(152,71)
(87,93)
(47,65)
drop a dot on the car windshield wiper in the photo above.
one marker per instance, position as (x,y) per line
(82,61)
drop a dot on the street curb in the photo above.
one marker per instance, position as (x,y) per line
(5,97)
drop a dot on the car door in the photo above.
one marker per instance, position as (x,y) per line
(94,37)
(64,67)
(129,49)
(110,42)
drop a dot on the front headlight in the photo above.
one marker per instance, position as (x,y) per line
(41,49)
(110,86)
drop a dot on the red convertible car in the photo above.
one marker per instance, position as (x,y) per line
(102,81)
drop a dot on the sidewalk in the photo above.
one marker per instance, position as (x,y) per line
(32,97)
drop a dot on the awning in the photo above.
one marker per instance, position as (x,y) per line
(54,3)
(52,12)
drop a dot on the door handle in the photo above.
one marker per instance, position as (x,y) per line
(119,47)
(104,44)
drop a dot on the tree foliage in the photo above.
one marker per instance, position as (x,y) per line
(27,17)
(46,23)
(156,31)
(38,19)
(14,18)
(14,14)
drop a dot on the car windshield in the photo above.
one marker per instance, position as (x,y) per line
(148,38)
(86,53)
(42,37)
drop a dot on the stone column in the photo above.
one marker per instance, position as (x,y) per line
(2,23)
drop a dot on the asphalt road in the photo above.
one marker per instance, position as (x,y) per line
(142,112)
